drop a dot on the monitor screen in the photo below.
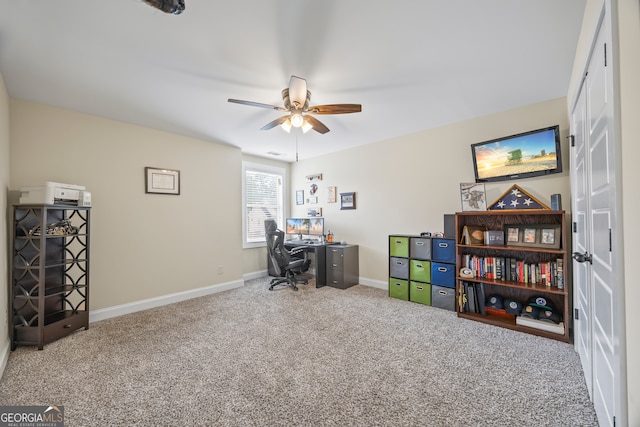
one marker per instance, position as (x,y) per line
(305,226)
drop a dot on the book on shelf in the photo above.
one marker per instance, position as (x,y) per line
(472,235)
(494,237)
(548,273)
(474,297)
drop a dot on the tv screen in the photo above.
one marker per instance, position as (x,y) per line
(523,155)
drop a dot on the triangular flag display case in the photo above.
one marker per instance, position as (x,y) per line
(515,198)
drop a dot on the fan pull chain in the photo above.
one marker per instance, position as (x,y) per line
(296,147)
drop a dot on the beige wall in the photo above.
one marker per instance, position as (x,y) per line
(142,245)
(4,245)
(405,185)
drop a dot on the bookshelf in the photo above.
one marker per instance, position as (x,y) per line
(518,270)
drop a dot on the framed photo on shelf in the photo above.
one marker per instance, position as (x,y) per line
(513,234)
(347,201)
(534,235)
(161,181)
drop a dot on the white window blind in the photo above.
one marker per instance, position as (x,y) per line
(263,199)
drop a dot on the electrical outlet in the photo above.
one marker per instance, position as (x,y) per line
(221,269)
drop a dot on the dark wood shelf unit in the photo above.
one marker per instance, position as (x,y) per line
(496,220)
(49,289)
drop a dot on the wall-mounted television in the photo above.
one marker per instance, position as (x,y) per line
(523,155)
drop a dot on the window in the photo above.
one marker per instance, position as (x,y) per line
(262,198)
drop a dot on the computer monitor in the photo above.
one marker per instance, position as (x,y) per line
(300,227)
(316,226)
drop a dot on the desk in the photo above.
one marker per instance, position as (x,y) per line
(320,252)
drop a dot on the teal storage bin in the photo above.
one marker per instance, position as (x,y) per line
(399,246)
(420,293)
(399,289)
(420,270)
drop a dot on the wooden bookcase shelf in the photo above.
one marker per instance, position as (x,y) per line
(510,289)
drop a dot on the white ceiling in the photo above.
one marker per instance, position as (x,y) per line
(412,64)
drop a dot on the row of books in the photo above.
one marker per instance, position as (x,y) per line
(473,299)
(549,273)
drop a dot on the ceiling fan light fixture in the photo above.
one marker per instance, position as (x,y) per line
(286,125)
(296,120)
(306,126)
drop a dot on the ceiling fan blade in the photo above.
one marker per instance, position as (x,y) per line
(318,126)
(276,122)
(256,104)
(298,91)
(335,109)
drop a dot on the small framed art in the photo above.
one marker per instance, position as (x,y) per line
(473,197)
(347,201)
(331,194)
(299,197)
(162,181)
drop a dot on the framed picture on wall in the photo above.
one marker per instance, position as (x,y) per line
(162,181)
(347,201)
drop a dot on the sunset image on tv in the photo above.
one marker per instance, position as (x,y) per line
(528,153)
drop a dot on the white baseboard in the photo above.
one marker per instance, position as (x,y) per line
(255,275)
(132,307)
(374,283)
(4,356)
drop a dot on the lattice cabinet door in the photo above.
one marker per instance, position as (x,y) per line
(50,273)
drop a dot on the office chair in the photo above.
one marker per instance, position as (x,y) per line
(284,264)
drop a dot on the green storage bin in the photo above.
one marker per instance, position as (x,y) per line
(420,270)
(399,289)
(420,293)
(399,246)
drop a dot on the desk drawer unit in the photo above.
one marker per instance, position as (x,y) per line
(342,266)
(443,250)
(443,274)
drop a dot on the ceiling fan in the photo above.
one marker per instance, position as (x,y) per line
(296,99)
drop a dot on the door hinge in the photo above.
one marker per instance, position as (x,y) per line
(610,245)
(576,314)
(572,138)
(574,225)
(605,54)
(614,421)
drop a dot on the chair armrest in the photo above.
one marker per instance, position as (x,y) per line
(297,250)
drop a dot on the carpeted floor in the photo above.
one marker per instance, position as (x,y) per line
(316,357)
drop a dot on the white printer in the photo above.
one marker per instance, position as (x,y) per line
(54,193)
